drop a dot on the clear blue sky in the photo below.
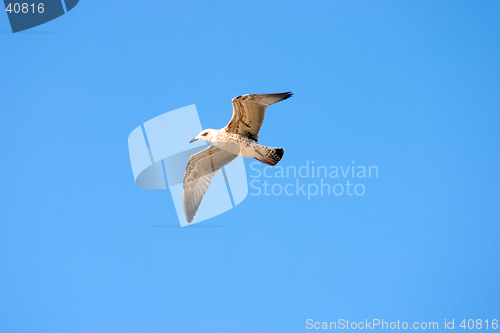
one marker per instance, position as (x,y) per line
(409,86)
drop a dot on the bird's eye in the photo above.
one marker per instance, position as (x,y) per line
(204,134)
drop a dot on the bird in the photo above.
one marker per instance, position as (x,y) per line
(239,138)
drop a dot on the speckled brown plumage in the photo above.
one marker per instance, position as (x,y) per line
(239,137)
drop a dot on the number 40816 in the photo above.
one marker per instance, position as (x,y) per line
(24,8)
(479,324)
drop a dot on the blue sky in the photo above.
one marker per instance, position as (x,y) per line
(409,86)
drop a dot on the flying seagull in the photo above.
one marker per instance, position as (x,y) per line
(239,137)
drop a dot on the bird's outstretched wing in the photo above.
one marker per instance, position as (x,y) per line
(249,112)
(200,170)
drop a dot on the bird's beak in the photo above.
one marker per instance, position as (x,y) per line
(193,140)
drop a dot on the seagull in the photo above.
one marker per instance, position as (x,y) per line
(238,138)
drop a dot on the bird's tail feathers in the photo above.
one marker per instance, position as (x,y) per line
(272,156)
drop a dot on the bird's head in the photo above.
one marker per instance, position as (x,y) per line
(205,135)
